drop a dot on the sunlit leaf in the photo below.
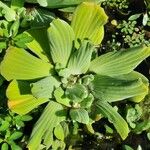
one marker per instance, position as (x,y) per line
(19,64)
(51,117)
(145,83)
(9,14)
(115,89)
(109,112)
(61,38)
(20,99)
(79,61)
(88,21)
(59,132)
(44,87)
(120,62)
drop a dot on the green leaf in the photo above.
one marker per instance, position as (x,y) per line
(42,17)
(59,132)
(19,64)
(15,147)
(79,61)
(44,88)
(87,102)
(104,108)
(3,45)
(4,125)
(120,62)
(88,21)
(20,99)
(134,17)
(60,98)
(133,76)
(22,39)
(76,93)
(4,146)
(51,117)
(39,45)
(61,38)
(126,147)
(26,118)
(15,4)
(80,115)
(133,115)
(115,89)
(142,126)
(16,135)
(14,28)
(145,19)
(62,3)
(8,13)
(58,145)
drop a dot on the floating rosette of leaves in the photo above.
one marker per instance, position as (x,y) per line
(62,72)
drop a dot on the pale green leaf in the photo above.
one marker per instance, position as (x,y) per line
(20,99)
(115,89)
(79,61)
(19,64)
(39,45)
(44,88)
(133,76)
(9,14)
(61,38)
(59,132)
(120,62)
(58,145)
(102,107)
(134,17)
(76,93)
(60,98)
(145,19)
(80,115)
(51,117)
(88,21)
(62,3)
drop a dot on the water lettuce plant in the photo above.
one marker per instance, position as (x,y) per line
(60,68)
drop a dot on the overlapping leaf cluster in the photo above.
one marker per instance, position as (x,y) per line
(58,67)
